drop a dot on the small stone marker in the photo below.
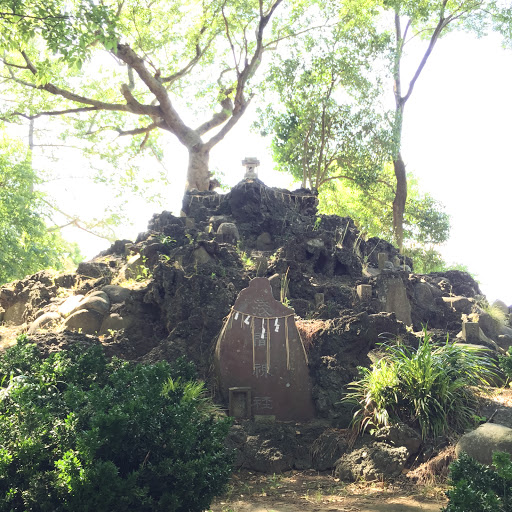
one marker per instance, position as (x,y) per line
(190,222)
(240,402)
(228,233)
(364,292)
(251,163)
(395,296)
(471,332)
(260,262)
(260,348)
(382,258)
(396,261)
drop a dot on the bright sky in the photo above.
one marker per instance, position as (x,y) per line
(457,140)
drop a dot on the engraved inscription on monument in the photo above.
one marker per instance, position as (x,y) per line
(260,348)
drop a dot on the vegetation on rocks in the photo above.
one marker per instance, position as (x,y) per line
(81,433)
(425,387)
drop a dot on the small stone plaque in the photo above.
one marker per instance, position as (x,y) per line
(471,332)
(240,402)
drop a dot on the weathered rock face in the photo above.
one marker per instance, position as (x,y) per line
(336,348)
(483,441)
(373,462)
(400,435)
(168,293)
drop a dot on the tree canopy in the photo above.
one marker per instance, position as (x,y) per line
(426,224)
(325,121)
(136,68)
(26,244)
(331,126)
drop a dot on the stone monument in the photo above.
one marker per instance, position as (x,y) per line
(260,356)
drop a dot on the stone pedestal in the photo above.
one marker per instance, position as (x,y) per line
(382,258)
(471,332)
(364,292)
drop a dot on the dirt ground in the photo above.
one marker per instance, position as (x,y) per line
(310,491)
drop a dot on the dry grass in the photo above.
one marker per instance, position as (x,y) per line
(311,491)
(308,329)
(434,471)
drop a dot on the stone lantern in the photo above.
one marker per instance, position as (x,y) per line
(251,163)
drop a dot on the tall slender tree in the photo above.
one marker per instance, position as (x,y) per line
(428,20)
(325,123)
(26,243)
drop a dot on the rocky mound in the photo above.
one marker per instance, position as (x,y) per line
(166,294)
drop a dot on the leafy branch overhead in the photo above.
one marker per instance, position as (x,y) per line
(142,67)
(26,245)
(331,125)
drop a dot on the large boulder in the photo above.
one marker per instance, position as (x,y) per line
(97,301)
(116,293)
(46,321)
(69,305)
(482,442)
(84,321)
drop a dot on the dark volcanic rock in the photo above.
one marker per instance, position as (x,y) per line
(375,461)
(186,282)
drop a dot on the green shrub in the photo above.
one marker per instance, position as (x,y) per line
(480,488)
(79,433)
(505,364)
(425,388)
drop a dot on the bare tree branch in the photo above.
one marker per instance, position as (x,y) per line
(232,46)
(187,69)
(219,118)
(138,131)
(250,67)
(73,220)
(5,15)
(426,55)
(12,65)
(50,113)
(166,110)
(57,91)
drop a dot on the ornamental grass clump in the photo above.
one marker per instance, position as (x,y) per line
(427,387)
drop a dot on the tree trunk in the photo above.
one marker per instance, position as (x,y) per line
(198,174)
(399,200)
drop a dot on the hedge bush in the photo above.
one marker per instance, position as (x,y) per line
(79,433)
(480,488)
